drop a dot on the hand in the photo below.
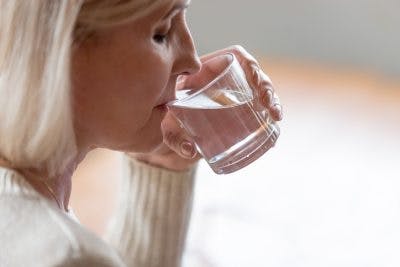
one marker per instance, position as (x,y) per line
(178,151)
(257,79)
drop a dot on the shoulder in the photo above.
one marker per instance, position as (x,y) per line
(34,233)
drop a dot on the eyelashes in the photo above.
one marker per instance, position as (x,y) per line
(162,35)
(160,38)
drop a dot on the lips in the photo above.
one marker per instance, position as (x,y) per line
(165,102)
(162,108)
(170,94)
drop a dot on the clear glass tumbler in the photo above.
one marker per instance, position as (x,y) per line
(219,110)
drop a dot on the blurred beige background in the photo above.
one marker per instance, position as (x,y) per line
(358,33)
(328,194)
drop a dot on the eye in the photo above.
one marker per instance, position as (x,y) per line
(160,38)
(161,34)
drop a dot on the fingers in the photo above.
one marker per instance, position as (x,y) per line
(244,57)
(176,153)
(267,95)
(176,138)
(276,110)
(259,81)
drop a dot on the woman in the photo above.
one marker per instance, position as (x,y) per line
(82,74)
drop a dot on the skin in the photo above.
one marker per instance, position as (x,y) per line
(123,76)
(121,79)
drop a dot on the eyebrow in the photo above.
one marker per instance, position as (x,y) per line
(175,8)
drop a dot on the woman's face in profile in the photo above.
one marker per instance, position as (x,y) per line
(121,78)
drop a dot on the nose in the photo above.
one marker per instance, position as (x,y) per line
(187,61)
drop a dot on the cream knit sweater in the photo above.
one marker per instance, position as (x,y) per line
(148,229)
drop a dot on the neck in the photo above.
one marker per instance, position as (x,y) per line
(57,188)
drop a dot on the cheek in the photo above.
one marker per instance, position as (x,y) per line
(153,81)
(116,90)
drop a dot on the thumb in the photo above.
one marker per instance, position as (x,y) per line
(176,138)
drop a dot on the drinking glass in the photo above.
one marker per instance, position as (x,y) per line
(222,114)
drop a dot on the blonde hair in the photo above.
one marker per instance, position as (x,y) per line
(36,40)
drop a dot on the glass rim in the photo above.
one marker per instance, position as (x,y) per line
(208,85)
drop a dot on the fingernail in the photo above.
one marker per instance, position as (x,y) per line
(268,97)
(279,113)
(257,77)
(187,149)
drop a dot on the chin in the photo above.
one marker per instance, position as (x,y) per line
(149,138)
(148,142)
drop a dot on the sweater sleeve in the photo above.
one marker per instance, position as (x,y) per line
(151,221)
